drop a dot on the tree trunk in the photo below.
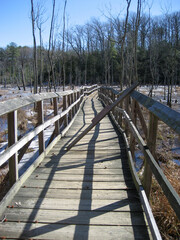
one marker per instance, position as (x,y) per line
(34,50)
(122,44)
(63,45)
(50,50)
(23,78)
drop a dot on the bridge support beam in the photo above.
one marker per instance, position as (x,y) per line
(151,142)
(41,121)
(55,103)
(12,138)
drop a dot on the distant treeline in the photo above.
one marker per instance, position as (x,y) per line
(93,53)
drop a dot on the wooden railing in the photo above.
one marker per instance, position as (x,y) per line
(125,117)
(64,114)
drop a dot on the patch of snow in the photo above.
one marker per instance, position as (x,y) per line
(30,113)
(30,157)
(3,146)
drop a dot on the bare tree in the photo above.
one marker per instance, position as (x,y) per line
(123,42)
(138,15)
(35,69)
(39,22)
(63,45)
(24,58)
(51,47)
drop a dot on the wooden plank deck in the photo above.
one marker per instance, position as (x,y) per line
(86,193)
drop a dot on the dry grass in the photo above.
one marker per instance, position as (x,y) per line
(3,131)
(165,216)
(33,118)
(22,119)
(4,181)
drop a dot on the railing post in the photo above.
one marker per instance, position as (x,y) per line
(134,119)
(120,105)
(55,103)
(115,109)
(78,96)
(81,93)
(12,138)
(69,104)
(151,142)
(41,121)
(64,108)
(109,95)
(75,98)
(72,101)
(127,110)
(113,99)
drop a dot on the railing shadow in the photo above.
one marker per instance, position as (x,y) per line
(54,165)
(126,171)
(90,160)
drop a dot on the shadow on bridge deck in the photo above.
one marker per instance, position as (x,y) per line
(86,193)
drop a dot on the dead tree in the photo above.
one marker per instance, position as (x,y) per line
(39,22)
(63,45)
(35,68)
(123,42)
(51,47)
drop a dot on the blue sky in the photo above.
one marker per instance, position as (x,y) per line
(16,24)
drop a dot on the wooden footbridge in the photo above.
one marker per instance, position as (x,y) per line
(84,187)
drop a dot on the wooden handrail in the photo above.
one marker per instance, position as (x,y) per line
(158,111)
(10,108)
(169,116)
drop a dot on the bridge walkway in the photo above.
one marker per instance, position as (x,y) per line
(85,193)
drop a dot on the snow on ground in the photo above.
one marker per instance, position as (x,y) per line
(158,95)
(29,157)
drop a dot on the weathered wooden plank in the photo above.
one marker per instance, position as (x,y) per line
(96,156)
(79,171)
(86,158)
(14,104)
(164,113)
(104,134)
(77,194)
(85,178)
(56,184)
(125,204)
(98,164)
(89,161)
(106,126)
(94,147)
(98,140)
